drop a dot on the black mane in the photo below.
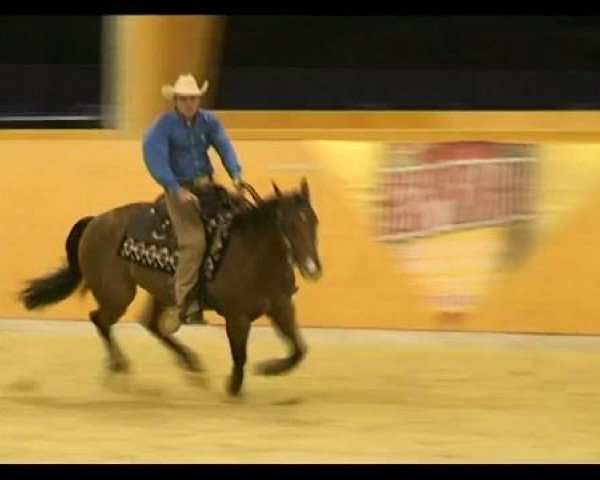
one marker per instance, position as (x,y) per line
(265,212)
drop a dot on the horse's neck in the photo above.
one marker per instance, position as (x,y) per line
(265,234)
(262,235)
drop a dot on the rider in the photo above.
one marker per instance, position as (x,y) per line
(175,150)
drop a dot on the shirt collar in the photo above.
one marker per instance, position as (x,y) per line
(183,120)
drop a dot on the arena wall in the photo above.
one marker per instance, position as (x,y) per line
(50,179)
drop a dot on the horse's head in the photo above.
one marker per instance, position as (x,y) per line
(298,223)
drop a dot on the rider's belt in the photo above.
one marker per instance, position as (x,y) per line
(201,181)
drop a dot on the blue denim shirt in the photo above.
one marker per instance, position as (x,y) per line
(175,152)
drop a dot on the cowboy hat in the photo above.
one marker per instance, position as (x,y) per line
(185,85)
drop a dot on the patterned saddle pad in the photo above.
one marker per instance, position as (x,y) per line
(149,240)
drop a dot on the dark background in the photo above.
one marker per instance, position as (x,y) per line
(411,62)
(51,66)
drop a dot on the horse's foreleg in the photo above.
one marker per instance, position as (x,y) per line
(238,328)
(283,317)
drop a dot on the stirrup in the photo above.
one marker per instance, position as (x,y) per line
(196,318)
(192,314)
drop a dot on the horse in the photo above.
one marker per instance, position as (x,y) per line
(255,277)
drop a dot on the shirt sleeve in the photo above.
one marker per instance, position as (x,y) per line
(219,139)
(156,155)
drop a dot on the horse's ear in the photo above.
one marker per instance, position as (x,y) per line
(276,188)
(304,188)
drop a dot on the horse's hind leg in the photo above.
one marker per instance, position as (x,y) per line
(113,303)
(103,323)
(188,359)
(283,317)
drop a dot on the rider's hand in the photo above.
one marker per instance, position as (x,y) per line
(239,186)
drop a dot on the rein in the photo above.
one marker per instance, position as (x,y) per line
(246,187)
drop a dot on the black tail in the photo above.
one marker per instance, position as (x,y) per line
(57,286)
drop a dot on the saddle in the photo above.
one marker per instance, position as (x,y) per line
(150,241)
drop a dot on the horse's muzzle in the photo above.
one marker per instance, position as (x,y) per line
(311,269)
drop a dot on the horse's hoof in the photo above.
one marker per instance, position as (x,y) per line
(269,368)
(117,383)
(277,366)
(118,366)
(260,369)
(194,367)
(191,363)
(234,387)
(198,380)
(232,400)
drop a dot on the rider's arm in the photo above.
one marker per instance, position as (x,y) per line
(219,139)
(156,155)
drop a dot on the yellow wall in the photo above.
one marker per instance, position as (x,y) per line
(556,290)
(48,184)
(415,125)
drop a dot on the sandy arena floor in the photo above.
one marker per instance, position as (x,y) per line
(360,396)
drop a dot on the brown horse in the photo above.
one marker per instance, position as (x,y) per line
(255,277)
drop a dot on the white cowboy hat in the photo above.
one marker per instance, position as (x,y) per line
(185,85)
